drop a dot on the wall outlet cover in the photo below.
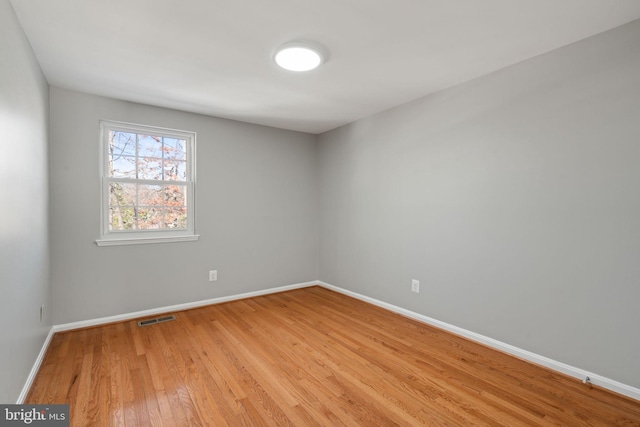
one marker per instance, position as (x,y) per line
(415,286)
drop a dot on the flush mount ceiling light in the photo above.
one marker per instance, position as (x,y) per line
(299,56)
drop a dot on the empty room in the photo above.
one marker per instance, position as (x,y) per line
(298,213)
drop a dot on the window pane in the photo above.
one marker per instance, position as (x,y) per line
(122,194)
(150,195)
(175,170)
(149,178)
(175,196)
(121,218)
(149,218)
(149,168)
(122,143)
(175,218)
(149,146)
(122,167)
(175,149)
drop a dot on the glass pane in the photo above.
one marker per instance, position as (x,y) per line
(149,146)
(175,218)
(150,195)
(175,149)
(122,143)
(149,218)
(122,167)
(122,218)
(175,170)
(174,196)
(122,194)
(149,168)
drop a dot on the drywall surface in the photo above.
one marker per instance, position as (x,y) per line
(24,207)
(514,199)
(256,213)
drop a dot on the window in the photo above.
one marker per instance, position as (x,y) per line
(147,184)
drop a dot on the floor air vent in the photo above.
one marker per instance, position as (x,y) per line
(156,320)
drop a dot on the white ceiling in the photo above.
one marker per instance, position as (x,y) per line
(215,56)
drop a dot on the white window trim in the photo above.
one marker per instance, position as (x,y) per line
(113,238)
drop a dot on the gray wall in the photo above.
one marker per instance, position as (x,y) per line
(24,230)
(514,199)
(256,208)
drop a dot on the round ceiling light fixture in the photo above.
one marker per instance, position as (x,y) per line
(299,56)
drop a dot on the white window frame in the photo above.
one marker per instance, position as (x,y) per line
(117,237)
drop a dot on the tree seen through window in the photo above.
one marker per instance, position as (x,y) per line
(148,182)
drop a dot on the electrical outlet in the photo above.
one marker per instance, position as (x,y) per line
(415,286)
(213,275)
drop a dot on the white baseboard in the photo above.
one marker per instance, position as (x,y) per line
(177,307)
(35,368)
(572,371)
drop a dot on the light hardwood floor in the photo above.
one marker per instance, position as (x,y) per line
(306,357)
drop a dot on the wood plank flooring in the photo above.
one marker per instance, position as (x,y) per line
(303,358)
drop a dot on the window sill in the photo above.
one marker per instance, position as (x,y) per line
(146,240)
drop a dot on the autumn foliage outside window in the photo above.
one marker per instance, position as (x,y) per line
(147,179)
